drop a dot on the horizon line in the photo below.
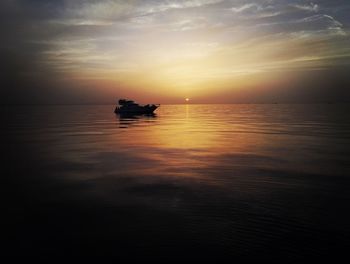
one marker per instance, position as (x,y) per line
(72,104)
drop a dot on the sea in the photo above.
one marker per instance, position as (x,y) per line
(230,183)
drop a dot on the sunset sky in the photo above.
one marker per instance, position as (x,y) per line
(211,51)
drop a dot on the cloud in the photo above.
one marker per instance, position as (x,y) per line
(168,5)
(124,42)
(246,7)
(307,7)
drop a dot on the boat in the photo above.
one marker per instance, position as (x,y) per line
(131,107)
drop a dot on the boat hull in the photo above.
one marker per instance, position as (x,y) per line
(140,110)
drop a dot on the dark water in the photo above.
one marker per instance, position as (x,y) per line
(200,182)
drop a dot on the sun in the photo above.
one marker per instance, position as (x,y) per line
(187,99)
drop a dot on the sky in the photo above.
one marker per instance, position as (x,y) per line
(211,51)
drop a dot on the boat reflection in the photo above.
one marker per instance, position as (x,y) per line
(127,120)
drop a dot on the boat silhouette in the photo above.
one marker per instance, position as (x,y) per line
(130,107)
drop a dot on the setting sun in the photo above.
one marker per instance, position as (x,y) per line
(187,99)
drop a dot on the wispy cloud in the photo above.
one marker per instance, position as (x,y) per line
(168,5)
(246,7)
(306,7)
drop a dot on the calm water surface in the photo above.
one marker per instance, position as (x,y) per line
(252,182)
